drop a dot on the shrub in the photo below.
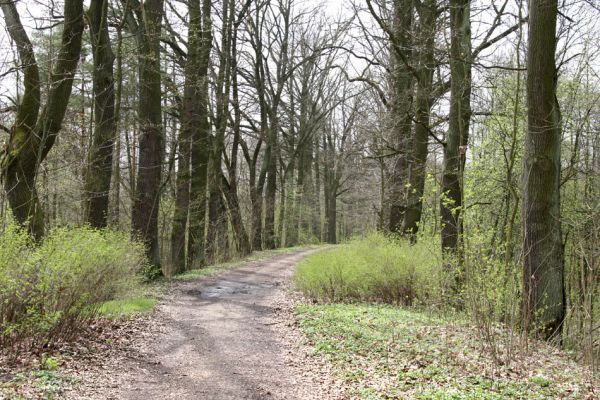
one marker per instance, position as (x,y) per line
(375,268)
(49,292)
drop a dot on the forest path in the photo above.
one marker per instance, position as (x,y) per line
(221,341)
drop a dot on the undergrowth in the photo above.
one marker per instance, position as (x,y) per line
(386,352)
(375,268)
(50,291)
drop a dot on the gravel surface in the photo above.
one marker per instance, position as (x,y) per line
(233,336)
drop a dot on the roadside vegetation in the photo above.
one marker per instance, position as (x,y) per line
(385,314)
(74,298)
(52,291)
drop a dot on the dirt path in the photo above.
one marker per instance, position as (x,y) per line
(220,339)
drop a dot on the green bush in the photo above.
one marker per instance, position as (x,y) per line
(375,268)
(49,292)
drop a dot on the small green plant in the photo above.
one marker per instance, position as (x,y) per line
(49,363)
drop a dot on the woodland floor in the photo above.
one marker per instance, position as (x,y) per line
(226,337)
(243,334)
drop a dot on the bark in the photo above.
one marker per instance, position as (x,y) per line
(151,142)
(189,125)
(271,154)
(330,186)
(401,119)
(200,148)
(257,181)
(256,199)
(33,134)
(233,205)
(231,193)
(99,171)
(217,212)
(458,131)
(115,220)
(543,272)
(423,104)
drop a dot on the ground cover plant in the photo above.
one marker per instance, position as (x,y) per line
(386,352)
(386,315)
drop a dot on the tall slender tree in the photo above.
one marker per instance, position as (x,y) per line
(144,20)
(458,126)
(427,11)
(100,156)
(543,269)
(200,147)
(190,123)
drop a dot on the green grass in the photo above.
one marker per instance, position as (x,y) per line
(374,268)
(127,307)
(383,352)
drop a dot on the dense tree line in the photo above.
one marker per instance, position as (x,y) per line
(210,129)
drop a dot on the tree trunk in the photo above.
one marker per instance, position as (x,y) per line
(458,131)
(148,183)
(401,119)
(543,272)
(424,102)
(217,210)
(257,205)
(242,241)
(200,148)
(99,171)
(271,188)
(116,179)
(189,126)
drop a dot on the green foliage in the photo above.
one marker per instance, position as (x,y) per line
(49,292)
(375,268)
(49,363)
(385,352)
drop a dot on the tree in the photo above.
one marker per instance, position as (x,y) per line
(543,265)
(458,126)
(190,123)
(200,146)
(99,171)
(145,22)
(33,133)
(424,99)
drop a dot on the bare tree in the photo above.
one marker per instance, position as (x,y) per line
(33,133)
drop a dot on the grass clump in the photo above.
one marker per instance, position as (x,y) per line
(126,307)
(375,268)
(50,291)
